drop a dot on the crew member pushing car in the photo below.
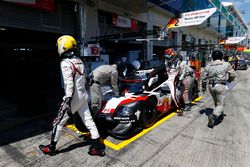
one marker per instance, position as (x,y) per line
(216,74)
(75,98)
(104,74)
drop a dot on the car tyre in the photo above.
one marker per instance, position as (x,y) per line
(149,112)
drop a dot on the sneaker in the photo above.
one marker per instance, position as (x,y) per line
(96,151)
(180,113)
(221,117)
(211,120)
(47,149)
(187,107)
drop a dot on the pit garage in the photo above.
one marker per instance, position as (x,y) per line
(29,67)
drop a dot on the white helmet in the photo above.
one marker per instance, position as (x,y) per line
(136,64)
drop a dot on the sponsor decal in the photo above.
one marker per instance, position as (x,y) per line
(163,104)
(112,104)
(124,119)
(121,118)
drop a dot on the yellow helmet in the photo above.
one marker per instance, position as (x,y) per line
(64,43)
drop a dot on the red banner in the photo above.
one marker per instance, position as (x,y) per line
(45,5)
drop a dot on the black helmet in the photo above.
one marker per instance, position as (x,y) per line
(121,66)
(217,55)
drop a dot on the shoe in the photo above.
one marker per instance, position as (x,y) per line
(187,107)
(47,149)
(211,120)
(97,148)
(221,117)
(180,112)
(96,151)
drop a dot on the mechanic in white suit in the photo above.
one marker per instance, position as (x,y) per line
(75,98)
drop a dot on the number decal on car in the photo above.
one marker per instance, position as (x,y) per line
(106,110)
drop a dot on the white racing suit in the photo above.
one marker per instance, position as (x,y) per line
(216,74)
(103,74)
(187,77)
(74,79)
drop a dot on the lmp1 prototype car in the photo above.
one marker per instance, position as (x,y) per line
(125,116)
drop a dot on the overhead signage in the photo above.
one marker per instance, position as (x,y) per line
(234,40)
(120,21)
(46,5)
(191,18)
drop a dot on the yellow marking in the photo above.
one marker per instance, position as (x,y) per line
(111,145)
(72,127)
(197,99)
(124,143)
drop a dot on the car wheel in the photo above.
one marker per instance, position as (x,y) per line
(149,112)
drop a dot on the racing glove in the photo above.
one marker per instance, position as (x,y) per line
(66,105)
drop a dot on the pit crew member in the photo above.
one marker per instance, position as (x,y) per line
(216,74)
(75,98)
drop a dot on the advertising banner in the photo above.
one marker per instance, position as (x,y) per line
(191,18)
(46,5)
(124,22)
(120,21)
(234,40)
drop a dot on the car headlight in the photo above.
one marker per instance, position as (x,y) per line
(126,110)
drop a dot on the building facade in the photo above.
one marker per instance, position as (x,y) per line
(149,18)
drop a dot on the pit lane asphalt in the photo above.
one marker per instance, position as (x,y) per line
(179,141)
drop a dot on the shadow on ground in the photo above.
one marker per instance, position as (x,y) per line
(74,146)
(209,111)
(206,111)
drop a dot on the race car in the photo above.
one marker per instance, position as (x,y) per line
(124,116)
(242,64)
